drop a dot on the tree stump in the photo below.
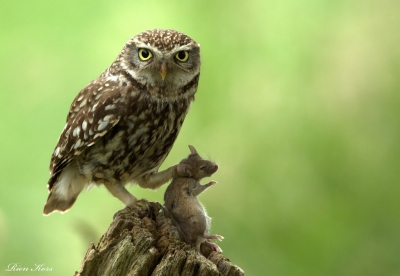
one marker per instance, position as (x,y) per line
(141,240)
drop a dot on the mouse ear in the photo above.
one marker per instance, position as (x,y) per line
(192,150)
(184,170)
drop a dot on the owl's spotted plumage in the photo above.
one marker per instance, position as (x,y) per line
(122,125)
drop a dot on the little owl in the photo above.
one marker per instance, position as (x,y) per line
(122,125)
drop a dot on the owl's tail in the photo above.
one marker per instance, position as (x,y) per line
(65,190)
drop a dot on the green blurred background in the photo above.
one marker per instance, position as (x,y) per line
(298,102)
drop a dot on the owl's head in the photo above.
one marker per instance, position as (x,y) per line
(165,60)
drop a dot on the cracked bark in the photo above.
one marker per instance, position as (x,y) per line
(142,241)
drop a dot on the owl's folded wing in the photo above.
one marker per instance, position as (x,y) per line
(94,112)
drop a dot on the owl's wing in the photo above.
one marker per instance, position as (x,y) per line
(94,112)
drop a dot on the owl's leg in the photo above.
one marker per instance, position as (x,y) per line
(156,180)
(118,190)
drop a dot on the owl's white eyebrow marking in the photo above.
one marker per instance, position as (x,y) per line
(76,132)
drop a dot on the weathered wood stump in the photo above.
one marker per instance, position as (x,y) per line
(141,240)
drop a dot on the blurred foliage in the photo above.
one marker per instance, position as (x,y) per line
(298,102)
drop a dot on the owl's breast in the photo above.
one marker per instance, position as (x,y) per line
(151,135)
(137,145)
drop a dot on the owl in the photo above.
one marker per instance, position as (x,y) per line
(122,125)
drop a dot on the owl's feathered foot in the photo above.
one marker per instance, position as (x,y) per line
(156,180)
(151,181)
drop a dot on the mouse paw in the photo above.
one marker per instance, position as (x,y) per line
(214,237)
(213,246)
(213,182)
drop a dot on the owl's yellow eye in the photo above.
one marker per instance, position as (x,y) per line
(182,56)
(145,54)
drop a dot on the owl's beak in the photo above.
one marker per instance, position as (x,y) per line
(163,70)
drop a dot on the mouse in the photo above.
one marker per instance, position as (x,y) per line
(183,206)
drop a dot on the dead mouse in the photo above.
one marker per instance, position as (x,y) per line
(182,204)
